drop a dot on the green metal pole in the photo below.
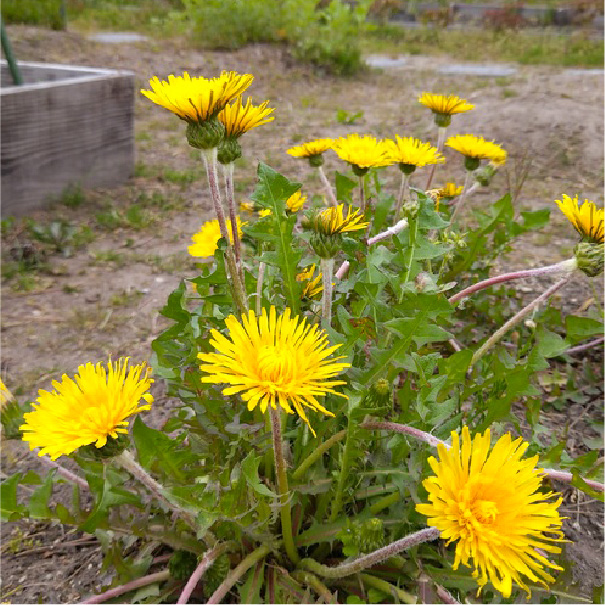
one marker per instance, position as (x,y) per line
(10,58)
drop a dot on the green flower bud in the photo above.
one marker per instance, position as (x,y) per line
(113,447)
(410,209)
(326,246)
(442,120)
(206,135)
(471,163)
(229,150)
(315,160)
(361,537)
(358,170)
(12,419)
(378,395)
(406,168)
(182,564)
(590,258)
(485,174)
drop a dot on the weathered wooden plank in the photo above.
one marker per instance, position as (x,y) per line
(77,129)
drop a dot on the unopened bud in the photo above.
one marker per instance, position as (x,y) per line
(590,258)
(113,447)
(206,135)
(326,246)
(229,150)
(485,174)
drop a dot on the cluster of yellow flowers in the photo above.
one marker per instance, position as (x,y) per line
(486,500)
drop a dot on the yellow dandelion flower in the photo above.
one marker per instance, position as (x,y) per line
(274,361)
(447,192)
(477,147)
(490,504)
(197,99)
(412,152)
(313,287)
(587,219)
(331,220)
(238,119)
(89,409)
(205,241)
(447,106)
(296,201)
(363,152)
(310,149)
(264,212)
(246,207)
(5,395)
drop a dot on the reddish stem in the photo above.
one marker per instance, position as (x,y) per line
(160,576)
(404,429)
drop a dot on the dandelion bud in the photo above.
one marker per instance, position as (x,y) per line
(442,120)
(358,170)
(229,150)
(471,163)
(326,246)
(315,160)
(590,258)
(379,394)
(410,209)
(485,174)
(206,135)
(362,537)
(182,564)
(406,168)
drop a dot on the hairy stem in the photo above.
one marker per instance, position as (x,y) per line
(234,575)
(230,194)
(567,477)
(344,475)
(317,453)
(207,560)
(362,194)
(566,265)
(465,191)
(327,271)
(584,347)
(405,430)
(282,486)
(440,142)
(513,321)
(67,474)
(373,558)
(410,252)
(160,576)
(306,577)
(384,502)
(327,186)
(404,191)
(396,228)
(259,288)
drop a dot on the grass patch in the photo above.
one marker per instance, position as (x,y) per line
(522,47)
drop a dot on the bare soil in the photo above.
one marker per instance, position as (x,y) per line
(105,298)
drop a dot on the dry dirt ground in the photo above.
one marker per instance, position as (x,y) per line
(105,298)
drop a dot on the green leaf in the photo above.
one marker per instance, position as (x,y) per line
(344,187)
(578,482)
(536,219)
(38,502)
(250,472)
(580,328)
(423,333)
(550,344)
(10,509)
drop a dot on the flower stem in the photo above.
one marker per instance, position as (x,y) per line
(230,194)
(465,191)
(317,453)
(373,558)
(566,265)
(384,502)
(327,186)
(584,347)
(342,270)
(208,559)
(127,461)
(64,472)
(404,429)
(404,191)
(282,486)
(513,321)
(410,251)
(362,194)
(306,577)
(344,475)
(234,575)
(396,228)
(386,587)
(259,288)
(567,478)
(440,142)
(160,576)
(327,271)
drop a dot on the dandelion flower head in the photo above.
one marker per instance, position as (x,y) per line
(277,361)
(90,408)
(205,241)
(238,119)
(440,104)
(332,220)
(296,201)
(312,285)
(489,504)
(586,218)
(310,149)
(197,99)
(477,147)
(5,395)
(363,151)
(413,152)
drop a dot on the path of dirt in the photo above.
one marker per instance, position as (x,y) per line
(106,298)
